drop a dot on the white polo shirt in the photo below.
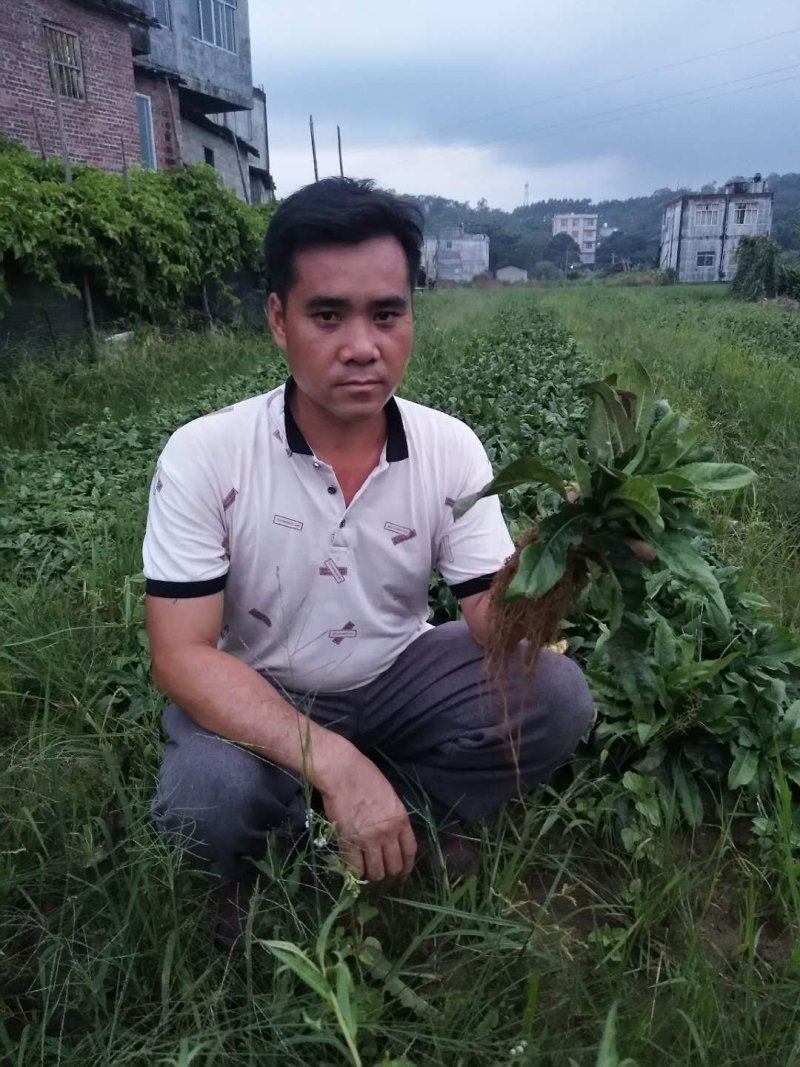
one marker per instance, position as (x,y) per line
(321,596)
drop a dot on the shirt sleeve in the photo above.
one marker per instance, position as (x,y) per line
(475,547)
(185,548)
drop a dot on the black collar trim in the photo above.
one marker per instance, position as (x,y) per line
(396,440)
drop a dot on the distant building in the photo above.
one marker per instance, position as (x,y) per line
(582,229)
(153,83)
(510,273)
(700,233)
(455,256)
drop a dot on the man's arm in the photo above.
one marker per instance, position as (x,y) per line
(475,610)
(229,698)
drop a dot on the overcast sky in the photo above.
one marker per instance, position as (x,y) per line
(469,100)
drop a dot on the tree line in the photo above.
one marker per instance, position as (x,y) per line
(524,236)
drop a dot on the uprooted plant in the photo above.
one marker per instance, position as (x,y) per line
(645,473)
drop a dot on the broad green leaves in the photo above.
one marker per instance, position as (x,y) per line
(544,562)
(526,471)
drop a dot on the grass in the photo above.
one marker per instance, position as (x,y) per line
(734,366)
(105,952)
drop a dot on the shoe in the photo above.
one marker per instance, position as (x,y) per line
(452,853)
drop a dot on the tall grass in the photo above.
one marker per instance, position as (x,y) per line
(105,935)
(734,366)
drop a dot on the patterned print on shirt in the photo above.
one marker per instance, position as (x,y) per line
(229,499)
(446,550)
(277,433)
(330,569)
(401,533)
(283,520)
(226,549)
(260,616)
(449,502)
(159,484)
(348,630)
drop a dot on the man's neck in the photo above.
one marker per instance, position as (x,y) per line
(333,440)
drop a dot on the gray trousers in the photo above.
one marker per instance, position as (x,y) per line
(433,724)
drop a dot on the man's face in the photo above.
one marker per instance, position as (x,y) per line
(346,325)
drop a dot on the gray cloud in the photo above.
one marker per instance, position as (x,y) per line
(427,92)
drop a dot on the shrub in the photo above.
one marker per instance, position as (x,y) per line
(148,246)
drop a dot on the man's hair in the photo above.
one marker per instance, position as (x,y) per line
(338,211)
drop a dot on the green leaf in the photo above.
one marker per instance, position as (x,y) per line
(580,468)
(616,433)
(690,675)
(665,646)
(299,963)
(344,986)
(716,477)
(543,562)
(688,794)
(678,554)
(528,470)
(743,769)
(641,495)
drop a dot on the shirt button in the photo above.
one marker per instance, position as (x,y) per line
(341,524)
(317,465)
(331,489)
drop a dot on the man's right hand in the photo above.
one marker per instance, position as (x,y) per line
(372,824)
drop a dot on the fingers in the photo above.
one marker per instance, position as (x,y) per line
(408,848)
(641,549)
(374,868)
(352,854)
(393,861)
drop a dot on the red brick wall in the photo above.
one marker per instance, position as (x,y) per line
(94,126)
(155,87)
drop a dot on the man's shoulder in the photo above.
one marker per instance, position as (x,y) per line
(227,426)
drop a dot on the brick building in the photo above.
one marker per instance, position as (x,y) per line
(90,48)
(163,81)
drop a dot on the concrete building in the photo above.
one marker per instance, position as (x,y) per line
(582,229)
(510,273)
(154,82)
(700,233)
(460,256)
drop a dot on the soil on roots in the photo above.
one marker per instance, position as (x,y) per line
(536,621)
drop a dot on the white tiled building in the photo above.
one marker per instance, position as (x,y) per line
(582,229)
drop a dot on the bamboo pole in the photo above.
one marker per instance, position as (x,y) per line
(38,132)
(245,189)
(339,139)
(313,147)
(125,173)
(62,134)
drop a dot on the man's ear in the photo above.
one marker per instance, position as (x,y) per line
(277,320)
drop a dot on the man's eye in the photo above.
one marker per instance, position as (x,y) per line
(386,316)
(327,316)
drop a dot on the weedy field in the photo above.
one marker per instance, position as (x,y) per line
(643,909)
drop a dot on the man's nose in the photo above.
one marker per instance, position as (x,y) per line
(359,344)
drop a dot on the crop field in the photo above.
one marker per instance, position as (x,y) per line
(644,908)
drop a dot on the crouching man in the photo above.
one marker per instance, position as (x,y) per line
(290,540)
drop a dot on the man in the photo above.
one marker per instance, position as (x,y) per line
(289,545)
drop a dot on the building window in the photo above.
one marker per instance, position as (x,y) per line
(746,214)
(214,21)
(208,156)
(706,216)
(147,142)
(66,63)
(706,259)
(563,224)
(162,13)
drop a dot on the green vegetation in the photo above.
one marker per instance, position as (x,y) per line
(149,247)
(606,920)
(734,367)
